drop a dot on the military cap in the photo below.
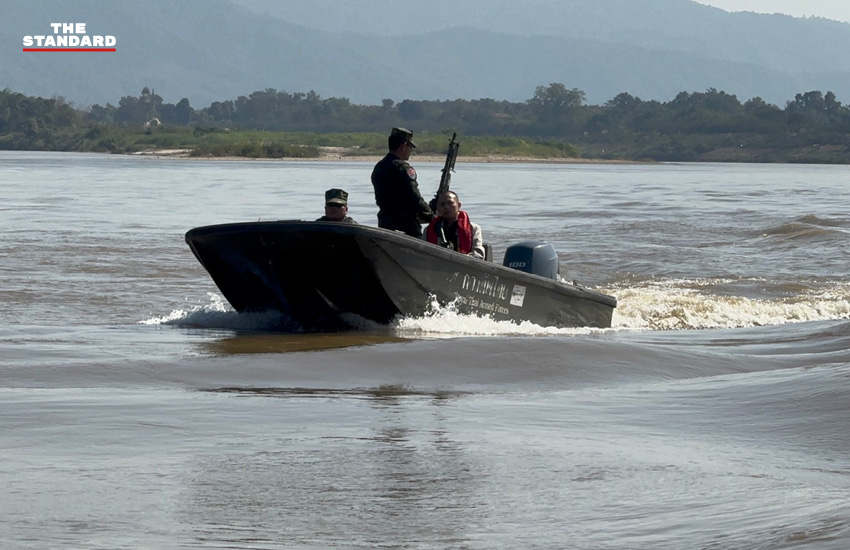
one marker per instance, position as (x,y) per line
(336,196)
(408,135)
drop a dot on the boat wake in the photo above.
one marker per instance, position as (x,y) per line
(217,314)
(664,305)
(446,321)
(686,304)
(438,322)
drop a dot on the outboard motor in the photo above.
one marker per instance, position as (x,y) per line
(535,257)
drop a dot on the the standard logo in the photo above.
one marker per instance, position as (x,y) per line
(69,37)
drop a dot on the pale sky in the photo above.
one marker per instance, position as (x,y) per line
(831,9)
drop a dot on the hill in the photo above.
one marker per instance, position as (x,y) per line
(210,50)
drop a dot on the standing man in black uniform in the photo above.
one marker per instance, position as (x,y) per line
(400,206)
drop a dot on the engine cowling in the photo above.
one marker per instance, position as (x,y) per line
(537,257)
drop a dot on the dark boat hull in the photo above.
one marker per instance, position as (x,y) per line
(322,273)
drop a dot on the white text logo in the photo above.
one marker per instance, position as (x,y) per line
(69,37)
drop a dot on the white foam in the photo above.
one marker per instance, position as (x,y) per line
(218,314)
(445,321)
(673,304)
(689,304)
(439,322)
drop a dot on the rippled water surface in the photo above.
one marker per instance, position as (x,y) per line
(137,410)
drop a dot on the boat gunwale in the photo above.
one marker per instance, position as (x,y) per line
(402,239)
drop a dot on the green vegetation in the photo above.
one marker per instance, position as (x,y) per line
(554,123)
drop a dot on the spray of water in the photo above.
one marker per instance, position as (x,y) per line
(655,305)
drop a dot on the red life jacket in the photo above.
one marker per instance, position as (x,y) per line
(464,232)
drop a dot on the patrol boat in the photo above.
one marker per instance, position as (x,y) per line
(327,275)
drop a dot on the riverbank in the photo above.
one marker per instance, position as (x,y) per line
(351,154)
(223,144)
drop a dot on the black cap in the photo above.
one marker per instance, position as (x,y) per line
(336,196)
(408,135)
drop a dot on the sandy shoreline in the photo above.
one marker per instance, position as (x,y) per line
(344,154)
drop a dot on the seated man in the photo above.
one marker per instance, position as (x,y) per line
(452,228)
(336,207)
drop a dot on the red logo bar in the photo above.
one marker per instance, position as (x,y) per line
(70,49)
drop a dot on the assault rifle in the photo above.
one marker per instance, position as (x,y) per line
(448,168)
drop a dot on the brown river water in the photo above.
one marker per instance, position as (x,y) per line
(138,410)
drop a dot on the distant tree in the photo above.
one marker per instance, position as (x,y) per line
(183,112)
(555,101)
(762,117)
(811,102)
(138,110)
(99,113)
(65,115)
(623,102)
(812,109)
(5,115)
(756,104)
(833,106)
(410,110)
(150,97)
(599,123)
(29,127)
(221,111)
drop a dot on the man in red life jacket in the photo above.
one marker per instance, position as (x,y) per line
(452,228)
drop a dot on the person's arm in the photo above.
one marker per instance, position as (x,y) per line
(423,211)
(477,242)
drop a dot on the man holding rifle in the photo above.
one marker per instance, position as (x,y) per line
(452,228)
(400,206)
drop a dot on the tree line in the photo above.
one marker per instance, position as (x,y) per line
(690,126)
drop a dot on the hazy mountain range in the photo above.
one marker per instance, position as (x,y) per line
(368,50)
